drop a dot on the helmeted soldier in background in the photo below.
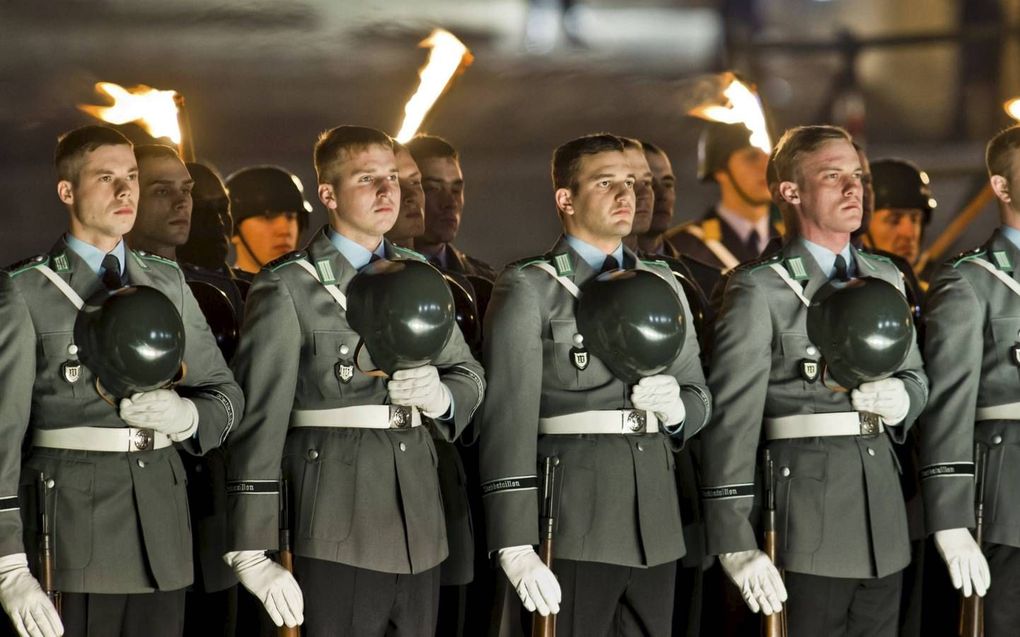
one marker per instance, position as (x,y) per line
(618,531)
(368,531)
(737,228)
(270,211)
(163,225)
(971,344)
(122,543)
(842,523)
(443,182)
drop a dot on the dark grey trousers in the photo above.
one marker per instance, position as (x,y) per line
(837,607)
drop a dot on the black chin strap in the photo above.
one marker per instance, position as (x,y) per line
(740,191)
(251,253)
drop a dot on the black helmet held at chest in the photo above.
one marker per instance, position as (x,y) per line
(403,311)
(862,327)
(633,321)
(219,314)
(133,341)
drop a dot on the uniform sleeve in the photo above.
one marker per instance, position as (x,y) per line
(208,383)
(739,378)
(508,433)
(465,378)
(688,372)
(954,319)
(17,377)
(266,365)
(914,378)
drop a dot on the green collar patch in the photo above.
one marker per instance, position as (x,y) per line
(325,270)
(795,266)
(407,252)
(1002,261)
(61,263)
(563,265)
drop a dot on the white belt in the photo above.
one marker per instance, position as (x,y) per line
(117,439)
(1010,411)
(842,423)
(611,421)
(359,417)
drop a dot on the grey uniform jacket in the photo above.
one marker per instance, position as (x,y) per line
(364,497)
(120,521)
(618,501)
(972,326)
(840,508)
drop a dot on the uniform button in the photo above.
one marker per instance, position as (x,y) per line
(811,350)
(640,447)
(871,451)
(141,464)
(785,471)
(403,447)
(313,454)
(198,468)
(996,440)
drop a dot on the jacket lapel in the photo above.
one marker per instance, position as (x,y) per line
(73,270)
(329,263)
(796,252)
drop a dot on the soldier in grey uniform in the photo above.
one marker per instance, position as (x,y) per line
(737,228)
(842,521)
(164,224)
(368,532)
(122,552)
(971,349)
(618,529)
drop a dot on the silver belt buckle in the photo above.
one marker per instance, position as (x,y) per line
(400,417)
(637,420)
(142,440)
(870,423)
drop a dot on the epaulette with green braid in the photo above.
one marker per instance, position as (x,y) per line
(526,261)
(966,256)
(763,262)
(875,256)
(290,257)
(409,253)
(142,257)
(25,265)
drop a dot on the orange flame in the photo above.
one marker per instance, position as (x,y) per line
(447,56)
(153,109)
(741,105)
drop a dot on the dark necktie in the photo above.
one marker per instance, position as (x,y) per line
(753,241)
(610,264)
(839,271)
(111,273)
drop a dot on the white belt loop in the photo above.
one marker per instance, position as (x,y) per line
(842,423)
(611,421)
(569,285)
(1009,411)
(334,291)
(113,439)
(358,417)
(62,285)
(797,289)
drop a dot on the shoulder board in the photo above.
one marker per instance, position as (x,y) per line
(25,265)
(141,256)
(757,264)
(521,263)
(876,257)
(290,257)
(658,263)
(712,229)
(976,253)
(410,254)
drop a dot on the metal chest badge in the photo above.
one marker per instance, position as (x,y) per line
(810,369)
(71,368)
(579,357)
(344,368)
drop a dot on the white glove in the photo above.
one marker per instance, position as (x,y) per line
(24,601)
(535,583)
(161,410)
(968,567)
(887,397)
(660,394)
(271,583)
(420,387)
(757,578)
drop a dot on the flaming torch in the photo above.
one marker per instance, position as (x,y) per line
(448,55)
(735,102)
(160,113)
